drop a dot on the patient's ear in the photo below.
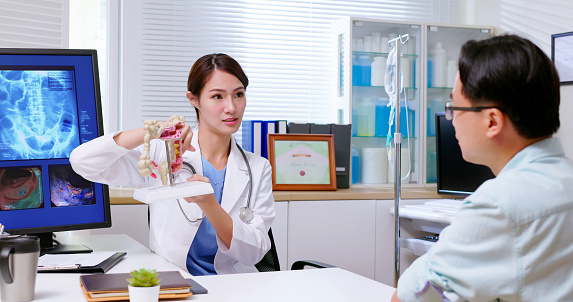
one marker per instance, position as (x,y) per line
(496,122)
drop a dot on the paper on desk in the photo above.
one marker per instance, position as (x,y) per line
(89,259)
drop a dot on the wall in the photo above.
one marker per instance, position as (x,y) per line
(536,20)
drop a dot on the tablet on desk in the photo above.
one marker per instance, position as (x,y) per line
(97,262)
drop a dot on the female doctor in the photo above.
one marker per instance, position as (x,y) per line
(204,234)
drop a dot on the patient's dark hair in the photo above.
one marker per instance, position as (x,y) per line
(513,73)
(203,69)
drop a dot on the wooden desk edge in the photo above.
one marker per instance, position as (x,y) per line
(120,195)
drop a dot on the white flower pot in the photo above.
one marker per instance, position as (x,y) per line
(143,294)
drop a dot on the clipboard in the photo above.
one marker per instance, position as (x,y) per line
(100,268)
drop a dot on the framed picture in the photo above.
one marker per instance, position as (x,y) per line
(562,56)
(302,161)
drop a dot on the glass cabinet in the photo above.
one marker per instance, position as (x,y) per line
(428,63)
(442,49)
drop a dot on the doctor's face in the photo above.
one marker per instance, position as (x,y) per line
(221,104)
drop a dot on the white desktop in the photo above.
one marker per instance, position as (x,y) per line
(330,284)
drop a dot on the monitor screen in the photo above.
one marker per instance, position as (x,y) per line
(50,102)
(455,175)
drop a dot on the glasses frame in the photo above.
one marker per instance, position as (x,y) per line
(449,109)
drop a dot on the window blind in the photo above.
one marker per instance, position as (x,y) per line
(34,23)
(285,47)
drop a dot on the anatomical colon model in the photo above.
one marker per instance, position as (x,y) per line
(171,134)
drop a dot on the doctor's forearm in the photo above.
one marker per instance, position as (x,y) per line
(221,221)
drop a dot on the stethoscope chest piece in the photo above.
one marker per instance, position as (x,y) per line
(246,214)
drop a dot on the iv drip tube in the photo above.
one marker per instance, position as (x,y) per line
(398,41)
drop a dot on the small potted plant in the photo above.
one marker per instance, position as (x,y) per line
(143,285)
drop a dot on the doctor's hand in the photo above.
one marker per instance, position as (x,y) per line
(187,135)
(200,199)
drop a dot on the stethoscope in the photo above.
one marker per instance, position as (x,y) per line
(245,213)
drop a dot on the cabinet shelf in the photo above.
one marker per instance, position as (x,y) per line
(383,54)
(409,88)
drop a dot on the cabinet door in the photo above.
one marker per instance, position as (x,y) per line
(364,51)
(338,232)
(443,50)
(280,231)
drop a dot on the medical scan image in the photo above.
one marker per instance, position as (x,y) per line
(67,188)
(20,188)
(39,117)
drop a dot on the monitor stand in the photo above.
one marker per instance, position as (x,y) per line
(49,245)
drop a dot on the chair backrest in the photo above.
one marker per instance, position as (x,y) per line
(270,261)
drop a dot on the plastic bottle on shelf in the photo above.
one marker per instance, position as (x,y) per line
(439,61)
(365,69)
(366,117)
(406,67)
(368,43)
(355,165)
(356,72)
(376,42)
(359,44)
(378,71)
(452,71)
(384,46)
(382,117)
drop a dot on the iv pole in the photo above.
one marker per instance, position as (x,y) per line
(401,39)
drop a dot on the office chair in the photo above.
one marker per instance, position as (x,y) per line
(298,265)
(270,262)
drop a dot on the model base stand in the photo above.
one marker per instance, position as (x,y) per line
(179,190)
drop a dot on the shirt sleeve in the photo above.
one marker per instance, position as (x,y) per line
(475,257)
(102,160)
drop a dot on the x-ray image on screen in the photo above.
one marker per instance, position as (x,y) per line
(20,188)
(39,117)
(67,188)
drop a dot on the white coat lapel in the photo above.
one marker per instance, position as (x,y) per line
(236,179)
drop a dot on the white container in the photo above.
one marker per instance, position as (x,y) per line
(378,71)
(366,117)
(143,294)
(406,67)
(368,43)
(405,167)
(452,71)
(359,44)
(375,42)
(374,165)
(439,61)
(384,46)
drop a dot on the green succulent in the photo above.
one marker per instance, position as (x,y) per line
(143,278)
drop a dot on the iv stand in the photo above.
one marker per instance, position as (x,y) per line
(401,39)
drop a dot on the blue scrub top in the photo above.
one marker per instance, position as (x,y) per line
(202,252)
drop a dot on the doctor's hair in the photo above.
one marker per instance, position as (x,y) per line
(512,73)
(203,69)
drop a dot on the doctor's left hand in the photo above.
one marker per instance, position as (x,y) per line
(200,199)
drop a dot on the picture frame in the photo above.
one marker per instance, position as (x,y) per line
(562,56)
(302,161)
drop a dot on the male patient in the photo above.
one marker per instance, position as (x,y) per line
(512,239)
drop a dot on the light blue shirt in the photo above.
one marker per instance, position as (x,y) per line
(201,256)
(512,239)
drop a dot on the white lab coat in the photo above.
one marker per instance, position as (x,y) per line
(171,233)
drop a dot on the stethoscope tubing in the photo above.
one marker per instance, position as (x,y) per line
(246,209)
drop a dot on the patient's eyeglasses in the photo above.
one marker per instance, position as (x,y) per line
(450,108)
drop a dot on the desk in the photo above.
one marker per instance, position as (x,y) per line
(331,284)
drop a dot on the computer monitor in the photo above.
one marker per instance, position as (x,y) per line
(455,175)
(50,104)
